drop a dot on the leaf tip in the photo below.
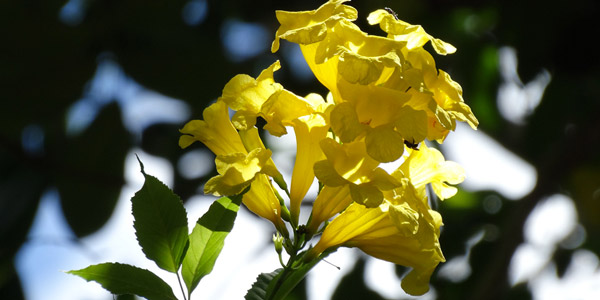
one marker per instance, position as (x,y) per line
(141,164)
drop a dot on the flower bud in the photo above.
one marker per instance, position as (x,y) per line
(278,242)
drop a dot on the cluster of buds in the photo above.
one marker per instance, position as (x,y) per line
(386,97)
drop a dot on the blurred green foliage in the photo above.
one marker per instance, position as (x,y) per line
(45,64)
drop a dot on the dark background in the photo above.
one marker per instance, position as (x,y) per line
(46,62)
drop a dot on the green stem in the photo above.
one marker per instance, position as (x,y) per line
(181,287)
(291,275)
(281,277)
(285,213)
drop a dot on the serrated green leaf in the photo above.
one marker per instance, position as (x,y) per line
(127,279)
(160,223)
(207,239)
(258,291)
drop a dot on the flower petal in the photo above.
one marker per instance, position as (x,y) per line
(384,144)
(252,140)
(307,27)
(412,124)
(215,131)
(283,107)
(354,221)
(244,93)
(309,130)
(366,194)
(414,35)
(236,172)
(261,200)
(329,202)
(427,165)
(345,123)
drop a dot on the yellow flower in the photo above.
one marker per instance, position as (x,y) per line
(437,94)
(263,97)
(240,161)
(237,163)
(280,108)
(427,165)
(351,55)
(308,118)
(396,233)
(386,89)
(261,200)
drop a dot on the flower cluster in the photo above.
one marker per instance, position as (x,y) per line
(386,97)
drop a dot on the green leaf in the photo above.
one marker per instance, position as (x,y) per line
(160,223)
(258,291)
(127,279)
(207,239)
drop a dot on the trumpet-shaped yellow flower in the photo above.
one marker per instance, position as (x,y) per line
(448,95)
(396,233)
(280,108)
(307,115)
(351,55)
(310,130)
(261,200)
(239,161)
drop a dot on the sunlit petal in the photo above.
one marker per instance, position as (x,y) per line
(310,130)
(215,131)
